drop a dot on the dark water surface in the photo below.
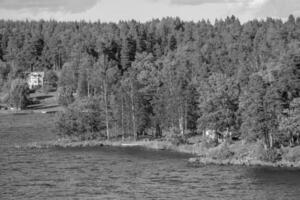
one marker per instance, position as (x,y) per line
(126,173)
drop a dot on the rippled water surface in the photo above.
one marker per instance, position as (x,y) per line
(123,173)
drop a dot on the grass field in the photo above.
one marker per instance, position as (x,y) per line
(26,128)
(44,102)
(41,103)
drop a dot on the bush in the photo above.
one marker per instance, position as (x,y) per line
(209,143)
(65,96)
(4,72)
(47,88)
(174,136)
(51,78)
(195,139)
(271,155)
(19,92)
(82,119)
(178,140)
(291,154)
(268,155)
(221,152)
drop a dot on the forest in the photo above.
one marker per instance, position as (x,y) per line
(132,79)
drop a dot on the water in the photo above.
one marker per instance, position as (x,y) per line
(126,173)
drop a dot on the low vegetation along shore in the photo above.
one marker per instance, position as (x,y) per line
(227,153)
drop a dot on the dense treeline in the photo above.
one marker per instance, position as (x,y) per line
(166,75)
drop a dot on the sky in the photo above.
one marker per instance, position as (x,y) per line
(144,10)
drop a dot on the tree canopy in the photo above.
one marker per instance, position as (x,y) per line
(169,74)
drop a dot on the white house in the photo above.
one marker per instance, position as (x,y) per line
(213,135)
(35,79)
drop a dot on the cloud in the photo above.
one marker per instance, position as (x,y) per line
(277,8)
(251,8)
(200,2)
(256,3)
(73,6)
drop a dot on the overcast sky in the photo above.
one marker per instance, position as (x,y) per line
(143,10)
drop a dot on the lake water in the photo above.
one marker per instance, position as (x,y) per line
(126,173)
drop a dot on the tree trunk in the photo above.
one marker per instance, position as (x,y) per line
(106,110)
(59,60)
(185,115)
(181,119)
(270,140)
(157,131)
(122,118)
(181,125)
(291,139)
(133,112)
(116,129)
(266,137)
(88,88)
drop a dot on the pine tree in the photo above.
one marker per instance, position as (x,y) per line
(218,103)
(172,43)
(290,124)
(258,114)
(128,52)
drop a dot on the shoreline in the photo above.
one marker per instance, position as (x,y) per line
(197,159)
(153,144)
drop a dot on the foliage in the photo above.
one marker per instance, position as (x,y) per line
(19,94)
(50,81)
(221,152)
(291,154)
(271,155)
(173,135)
(65,96)
(169,74)
(218,103)
(68,76)
(4,72)
(258,113)
(51,78)
(83,119)
(290,123)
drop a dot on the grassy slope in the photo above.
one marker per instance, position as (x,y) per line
(43,103)
(46,102)
(26,128)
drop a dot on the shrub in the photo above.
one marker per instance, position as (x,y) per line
(47,88)
(82,119)
(50,81)
(4,72)
(291,154)
(19,92)
(173,135)
(178,139)
(195,139)
(268,155)
(65,96)
(221,152)
(209,143)
(51,78)
(271,155)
